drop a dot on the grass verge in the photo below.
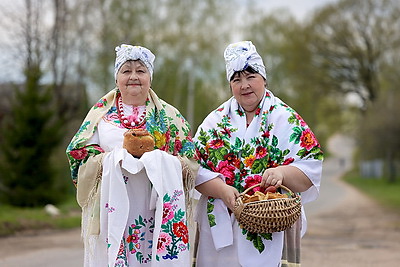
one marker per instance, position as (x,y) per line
(384,192)
(14,219)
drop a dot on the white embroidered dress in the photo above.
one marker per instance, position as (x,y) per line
(142,210)
(239,155)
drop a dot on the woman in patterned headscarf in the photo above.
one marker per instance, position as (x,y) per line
(252,138)
(134,211)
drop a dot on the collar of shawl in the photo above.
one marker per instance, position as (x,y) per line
(276,136)
(169,128)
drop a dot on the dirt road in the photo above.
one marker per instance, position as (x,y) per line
(345,228)
(42,249)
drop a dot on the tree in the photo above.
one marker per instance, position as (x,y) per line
(32,130)
(379,129)
(351,41)
(30,135)
(355,46)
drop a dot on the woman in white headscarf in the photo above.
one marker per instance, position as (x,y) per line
(252,138)
(134,210)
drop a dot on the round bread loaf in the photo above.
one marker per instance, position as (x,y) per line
(138,141)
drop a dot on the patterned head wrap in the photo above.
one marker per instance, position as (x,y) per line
(238,56)
(128,52)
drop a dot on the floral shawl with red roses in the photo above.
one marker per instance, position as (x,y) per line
(276,136)
(164,122)
(169,128)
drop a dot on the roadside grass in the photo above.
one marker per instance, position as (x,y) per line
(383,191)
(14,219)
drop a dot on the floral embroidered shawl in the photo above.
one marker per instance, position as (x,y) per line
(169,128)
(172,135)
(276,136)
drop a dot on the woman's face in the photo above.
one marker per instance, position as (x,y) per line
(134,81)
(248,89)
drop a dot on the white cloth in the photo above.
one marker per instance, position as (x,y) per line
(116,206)
(228,246)
(238,56)
(275,129)
(126,52)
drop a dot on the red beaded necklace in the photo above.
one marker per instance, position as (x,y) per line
(129,121)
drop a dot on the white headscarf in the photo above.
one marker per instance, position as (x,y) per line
(129,52)
(238,56)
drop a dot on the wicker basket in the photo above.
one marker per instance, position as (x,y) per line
(268,216)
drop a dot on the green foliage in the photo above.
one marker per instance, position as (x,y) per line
(16,219)
(351,40)
(386,193)
(30,135)
(379,131)
(257,239)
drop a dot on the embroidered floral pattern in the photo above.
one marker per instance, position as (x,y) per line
(164,240)
(166,133)
(169,128)
(172,134)
(136,236)
(256,239)
(210,209)
(122,259)
(109,208)
(112,117)
(101,103)
(80,156)
(174,236)
(133,242)
(243,163)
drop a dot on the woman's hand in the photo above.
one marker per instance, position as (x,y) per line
(217,188)
(229,194)
(289,176)
(272,176)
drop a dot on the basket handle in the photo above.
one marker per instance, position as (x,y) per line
(281,186)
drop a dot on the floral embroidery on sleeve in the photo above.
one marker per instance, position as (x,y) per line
(77,151)
(79,156)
